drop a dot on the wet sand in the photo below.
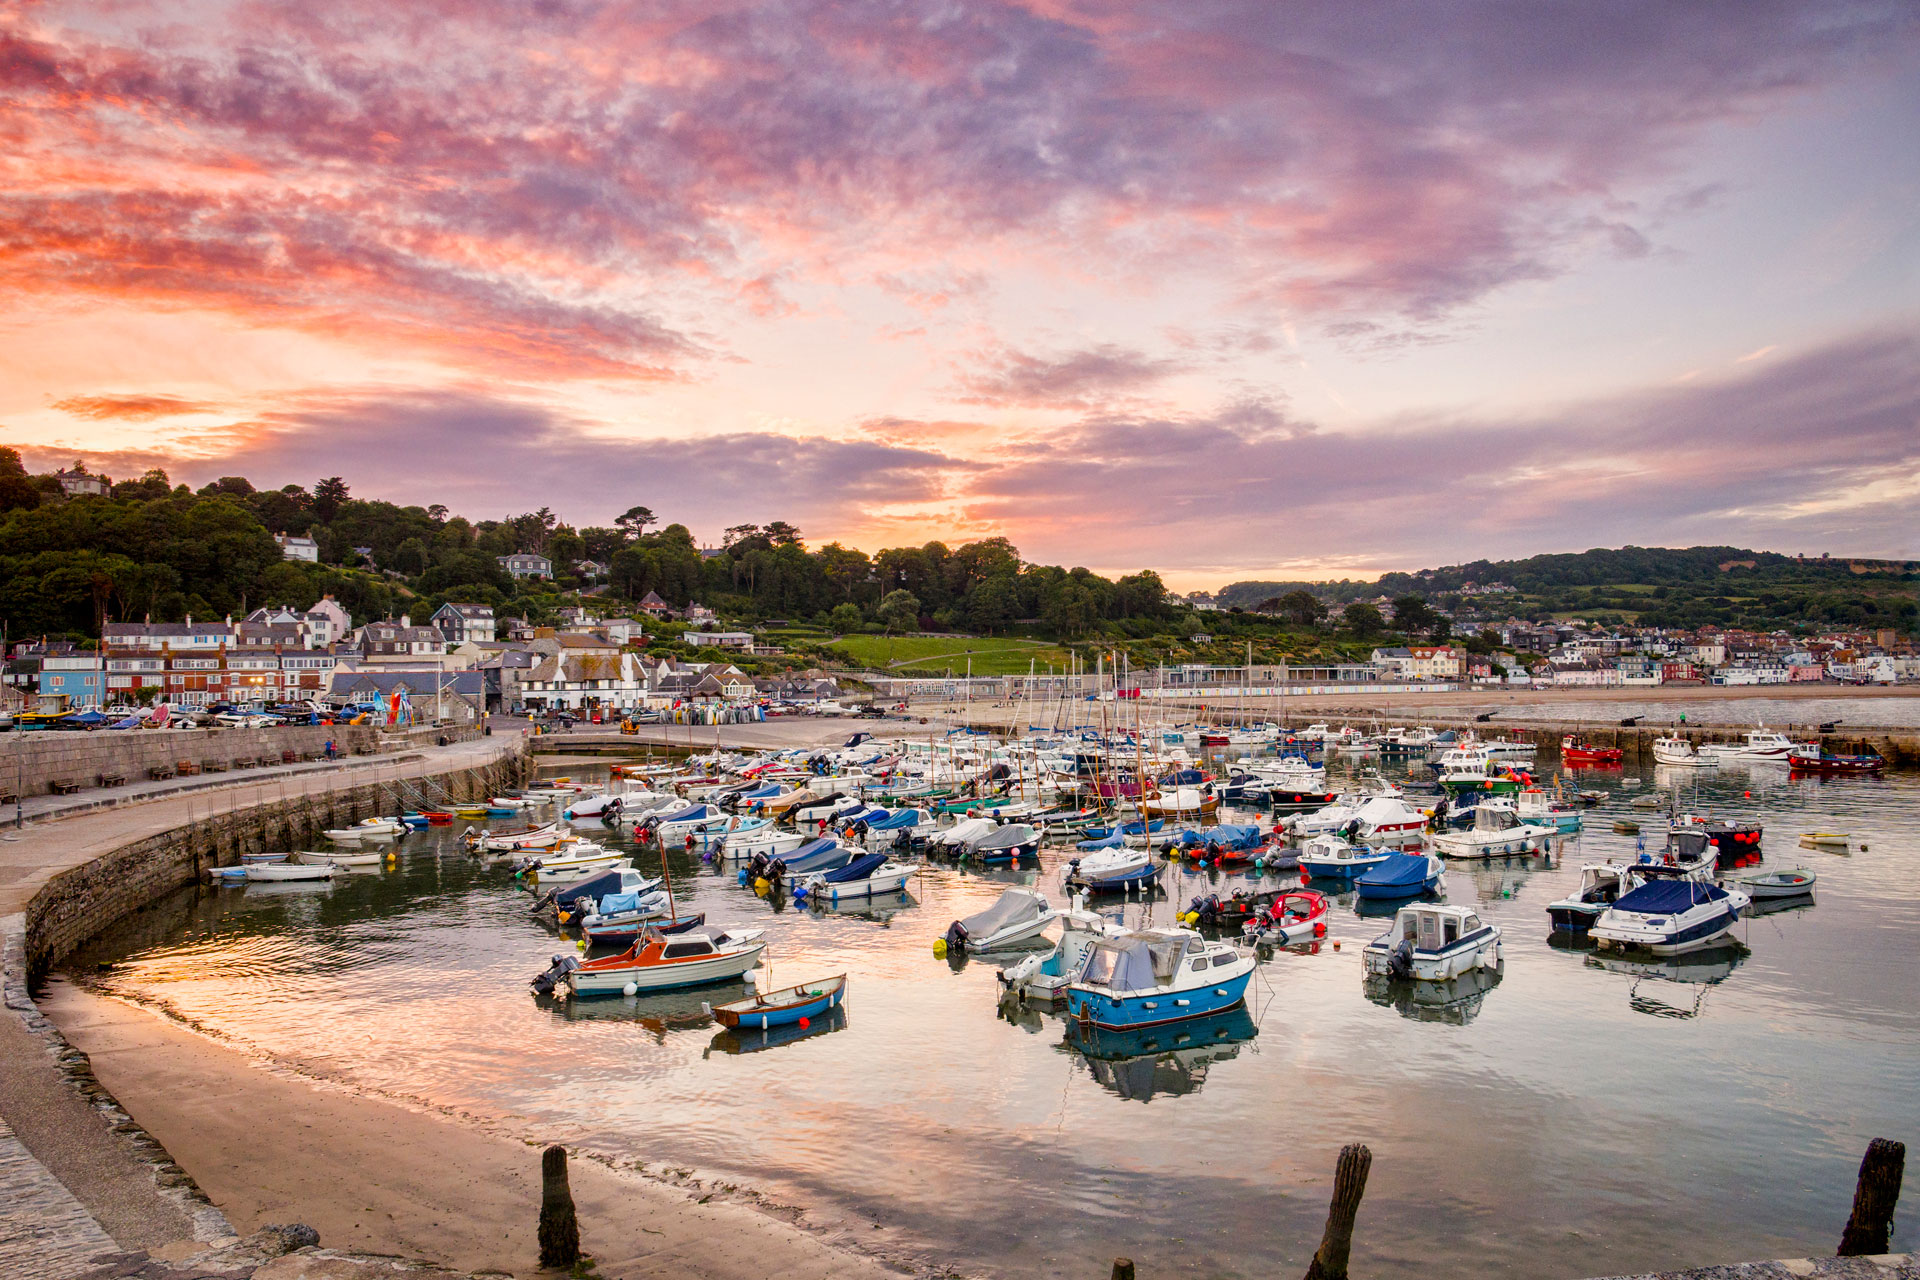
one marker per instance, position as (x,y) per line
(374,1175)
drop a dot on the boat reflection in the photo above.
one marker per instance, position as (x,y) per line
(1154,1061)
(747,1040)
(1696,969)
(882,908)
(1454,1001)
(659,1013)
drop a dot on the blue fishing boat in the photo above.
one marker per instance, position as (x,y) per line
(1147,978)
(1402,875)
(781,1008)
(864,877)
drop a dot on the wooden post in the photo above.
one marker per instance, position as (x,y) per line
(1349,1184)
(559,1229)
(1874,1197)
(1122,1269)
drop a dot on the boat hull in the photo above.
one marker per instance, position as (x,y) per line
(1131,1011)
(691,973)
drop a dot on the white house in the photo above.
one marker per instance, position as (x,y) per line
(292,548)
(719,639)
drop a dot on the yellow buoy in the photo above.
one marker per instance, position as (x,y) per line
(940,946)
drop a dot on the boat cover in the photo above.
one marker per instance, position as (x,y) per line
(860,868)
(1015,906)
(1227,836)
(616,903)
(1105,842)
(688,814)
(1668,897)
(896,820)
(1184,778)
(1006,837)
(1134,961)
(1399,869)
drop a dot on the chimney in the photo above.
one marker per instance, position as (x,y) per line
(406,620)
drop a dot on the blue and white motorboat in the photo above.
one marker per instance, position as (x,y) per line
(1329,857)
(1402,875)
(1432,942)
(866,876)
(1146,978)
(1670,915)
(741,845)
(695,819)
(1110,869)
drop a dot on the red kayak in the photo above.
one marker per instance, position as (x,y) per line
(1572,752)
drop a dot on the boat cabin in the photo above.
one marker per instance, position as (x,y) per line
(1148,960)
(1433,928)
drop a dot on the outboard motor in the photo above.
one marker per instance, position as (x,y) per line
(544,983)
(1207,908)
(1400,962)
(956,938)
(776,872)
(548,899)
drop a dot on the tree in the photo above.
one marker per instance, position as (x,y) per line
(898,611)
(1363,620)
(16,489)
(1411,614)
(634,520)
(782,534)
(845,618)
(1302,607)
(328,497)
(437,513)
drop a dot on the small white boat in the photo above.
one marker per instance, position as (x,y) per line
(1778,884)
(1332,857)
(1496,832)
(370,829)
(523,840)
(1678,751)
(311,859)
(657,963)
(742,845)
(1017,917)
(1432,943)
(275,872)
(868,876)
(1044,979)
(1825,839)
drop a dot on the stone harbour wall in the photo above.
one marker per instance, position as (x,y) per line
(31,761)
(85,901)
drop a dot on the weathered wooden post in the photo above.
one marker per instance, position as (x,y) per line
(1349,1184)
(1874,1197)
(1122,1269)
(559,1229)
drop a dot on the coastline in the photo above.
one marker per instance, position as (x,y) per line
(376,1176)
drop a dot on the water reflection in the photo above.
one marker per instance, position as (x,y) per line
(747,1040)
(1455,1001)
(1160,1061)
(413,981)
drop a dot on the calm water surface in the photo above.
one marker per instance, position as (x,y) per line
(1576,1118)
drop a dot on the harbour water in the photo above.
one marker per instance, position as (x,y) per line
(1579,1116)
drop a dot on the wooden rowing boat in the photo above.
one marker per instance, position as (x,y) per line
(780,1008)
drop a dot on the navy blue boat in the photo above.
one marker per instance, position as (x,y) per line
(1403,875)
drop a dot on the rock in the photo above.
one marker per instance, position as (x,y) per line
(293,1235)
(328,1265)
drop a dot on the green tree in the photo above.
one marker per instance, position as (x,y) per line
(1302,607)
(898,611)
(845,618)
(328,497)
(1412,614)
(634,520)
(1363,620)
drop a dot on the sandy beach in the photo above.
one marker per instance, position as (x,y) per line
(374,1175)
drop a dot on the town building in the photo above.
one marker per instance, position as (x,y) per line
(297,548)
(524,564)
(78,484)
(462,623)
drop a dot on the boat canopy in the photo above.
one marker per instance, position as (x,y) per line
(1227,836)
(812,847)
(1668,897)
(620,903)
(1015,906)
(1690,846)
(1135,961)
(860,868)
(1409,869)
(1115,841)
(688,814)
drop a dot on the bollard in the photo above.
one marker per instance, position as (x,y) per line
(559,1229)
(1349,1184)
(1874,1197)
(1122,1269)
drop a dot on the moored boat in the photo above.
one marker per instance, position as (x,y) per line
(276,872)
(1432,943)
(1018,916)
(1148,977)
(1669,915)
(1575,752)
(788,1006)
(1402,875)
(865,877)
(657,963)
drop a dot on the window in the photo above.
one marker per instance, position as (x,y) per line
(1223,959)
(1452,931)
(1199,965)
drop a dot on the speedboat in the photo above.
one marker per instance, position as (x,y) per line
(866,876)
(695,819)
(1297,915)
(1018,916)
(1149,977)
(657,963)
(1496,832)
(1333,858)
(1432,943)
(741,845)
(1402,875)
(1601,884)
(1116,867)
(1666,916)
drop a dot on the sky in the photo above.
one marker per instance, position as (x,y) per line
(1226,290)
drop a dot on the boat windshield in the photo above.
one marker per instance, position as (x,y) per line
(1135,963)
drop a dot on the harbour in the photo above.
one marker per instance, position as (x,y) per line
(924,1104)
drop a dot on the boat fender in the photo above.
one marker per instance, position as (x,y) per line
(630,989)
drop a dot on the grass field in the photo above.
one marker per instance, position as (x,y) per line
(933,655)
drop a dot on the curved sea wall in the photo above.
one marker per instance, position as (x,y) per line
(84,901)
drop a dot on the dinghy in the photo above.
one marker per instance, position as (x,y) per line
(1825,839)
(789,1005)
(1298,915)
(308,858)
(1778,884)
(1113,868)
(276,872)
